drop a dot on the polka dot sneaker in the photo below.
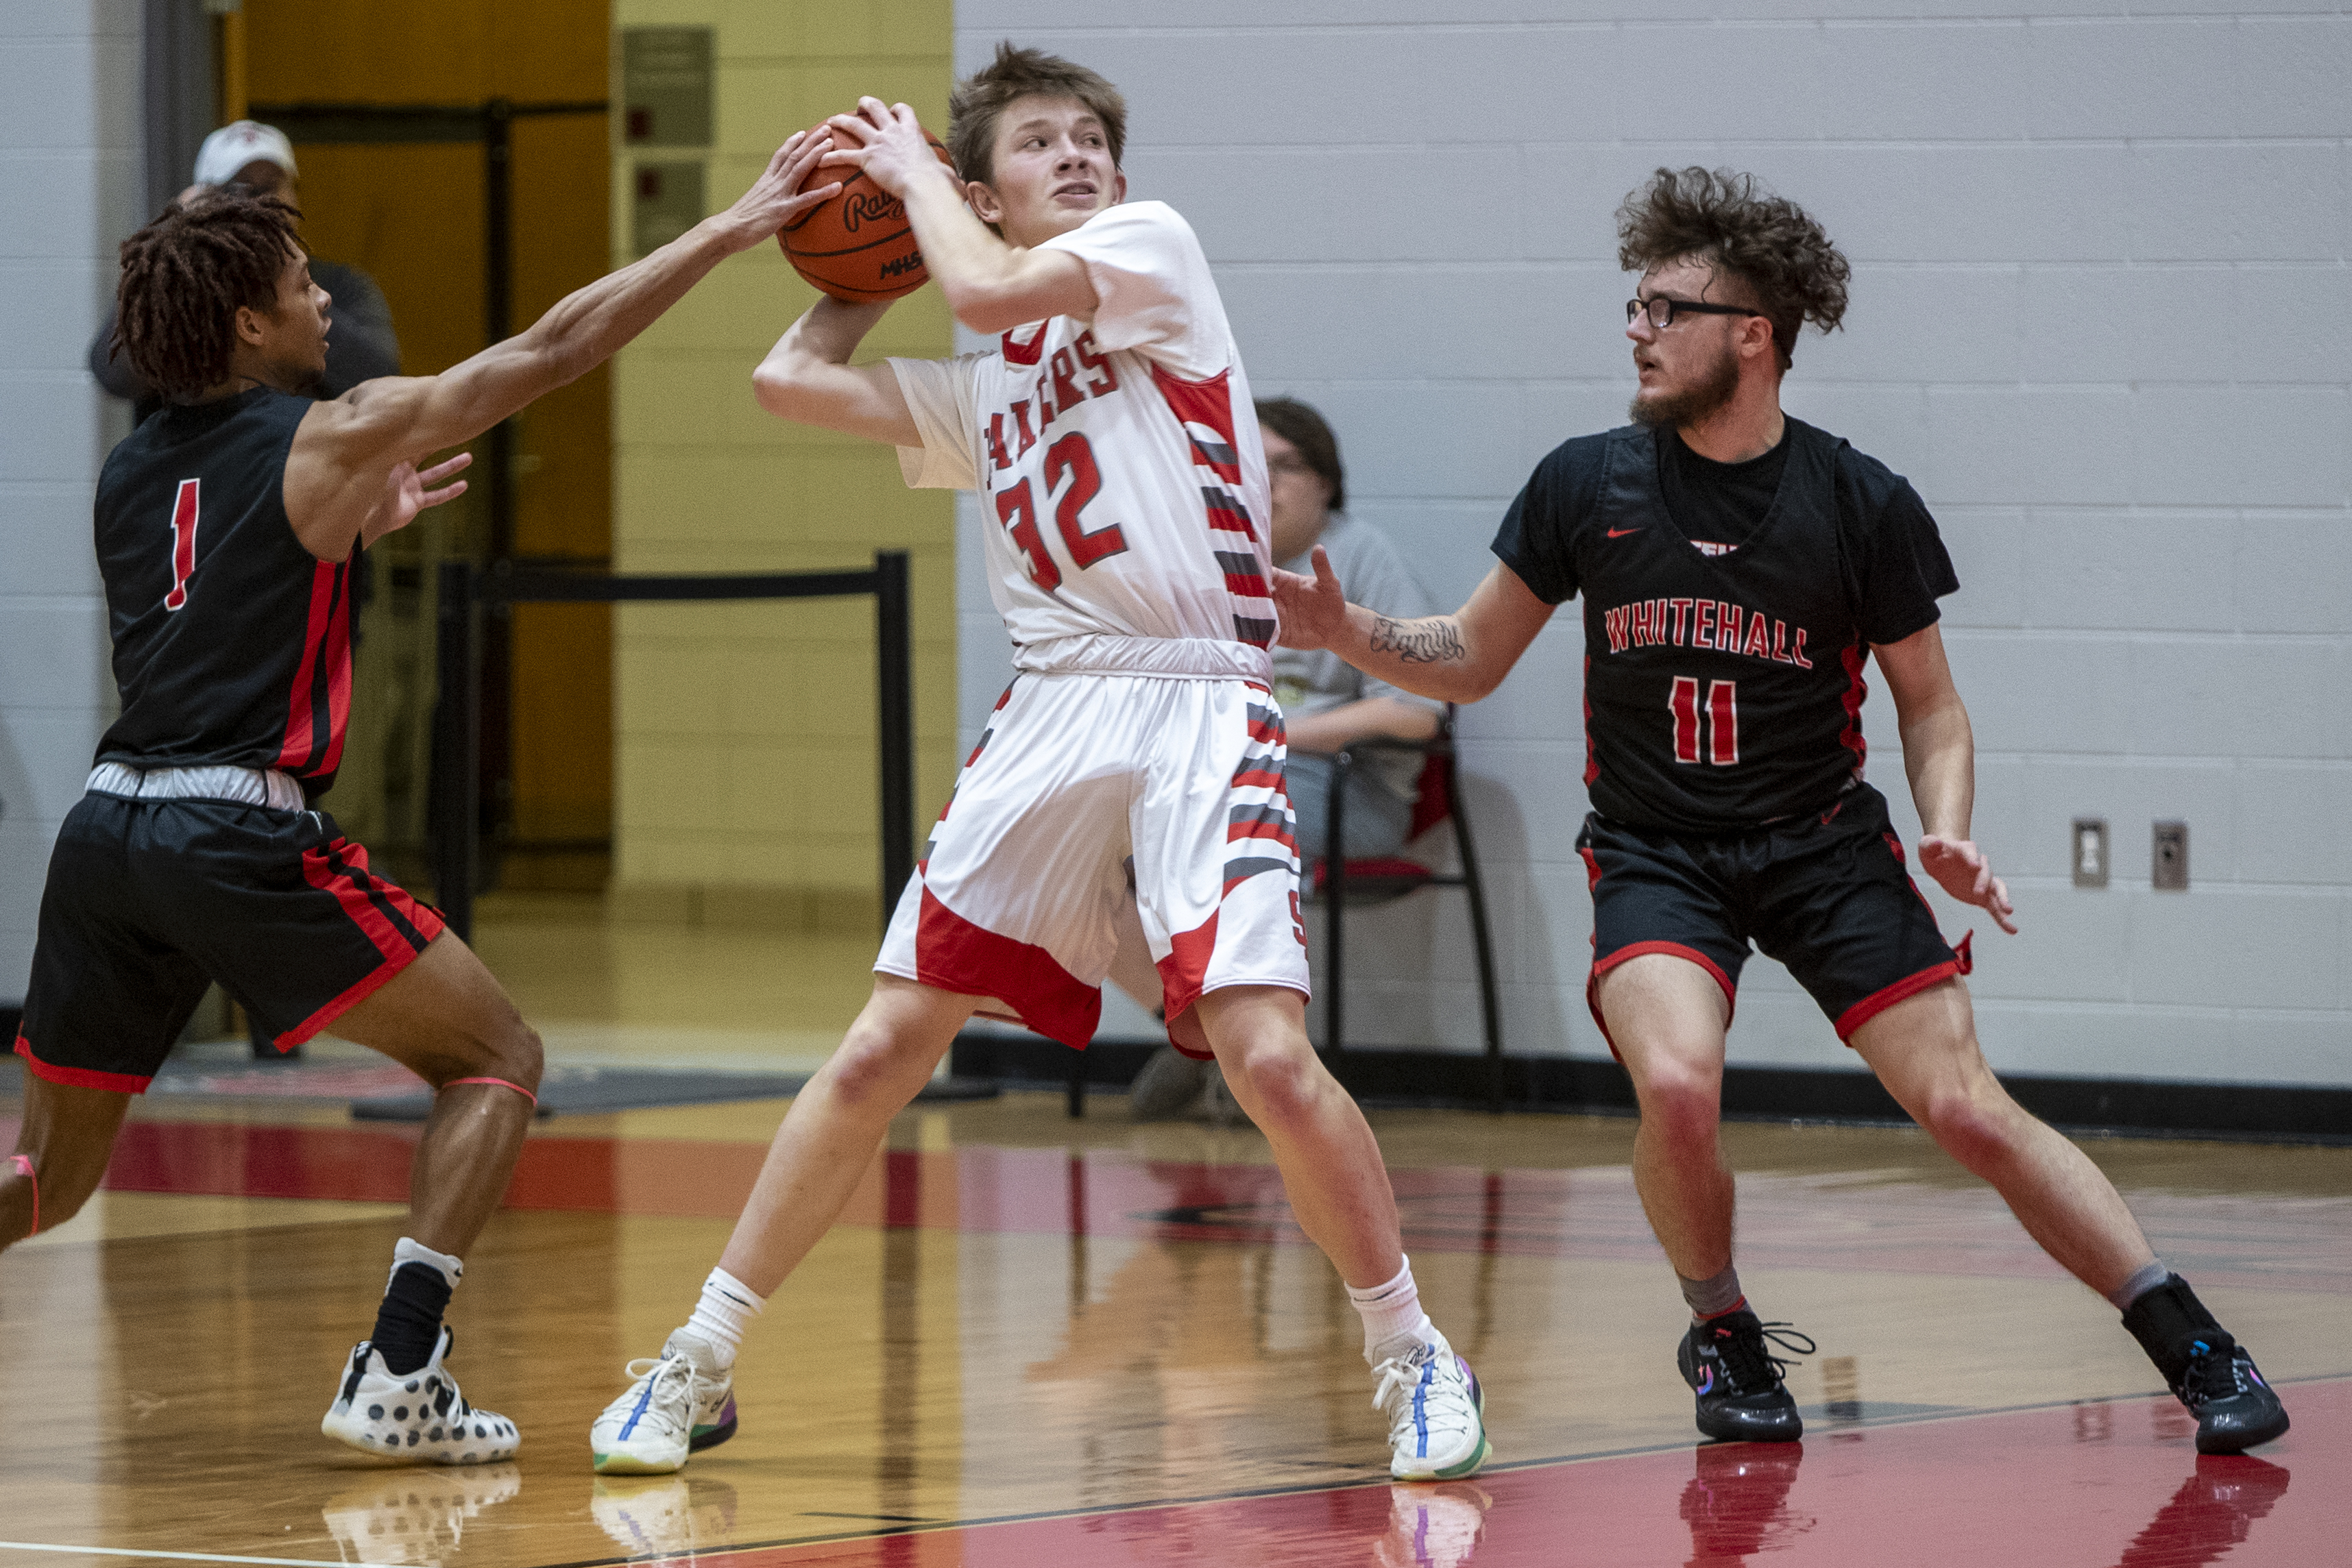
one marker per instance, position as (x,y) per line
(419,1416)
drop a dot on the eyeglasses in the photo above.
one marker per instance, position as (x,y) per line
(1664,310)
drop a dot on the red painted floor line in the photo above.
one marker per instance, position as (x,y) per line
(2105,1485)
(1830,1222)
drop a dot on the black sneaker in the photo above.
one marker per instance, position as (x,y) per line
(1738,1380)
(2207,1369)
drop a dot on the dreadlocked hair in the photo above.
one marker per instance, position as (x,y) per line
(980,100)
(1725,219)
(183,278)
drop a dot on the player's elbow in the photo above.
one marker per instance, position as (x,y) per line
(984,306)
(996,301)
(1472,684)
(558,364)
(779,390)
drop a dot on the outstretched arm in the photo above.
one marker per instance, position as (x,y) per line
(1456,658)
(337,471)
(1940,754)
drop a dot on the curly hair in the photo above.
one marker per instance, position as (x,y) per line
(980,100)
(185,277)
(1723,218)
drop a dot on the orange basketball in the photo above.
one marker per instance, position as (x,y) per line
(856,245)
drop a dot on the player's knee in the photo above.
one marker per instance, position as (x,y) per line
(1280,1087)
(1978,1125)
(871,1068)
(524,1054)
(1681,1102)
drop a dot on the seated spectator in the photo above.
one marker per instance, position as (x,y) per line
(1328,706)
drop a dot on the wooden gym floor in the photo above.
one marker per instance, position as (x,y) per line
(1037,1341)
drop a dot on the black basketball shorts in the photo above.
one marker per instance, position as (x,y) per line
(148,900)
(1825,893)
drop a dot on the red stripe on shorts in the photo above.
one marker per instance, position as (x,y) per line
(79,1077)
(954,955)
(341,868)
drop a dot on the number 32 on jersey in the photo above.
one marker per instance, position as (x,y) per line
(1719,718)
(1072,457)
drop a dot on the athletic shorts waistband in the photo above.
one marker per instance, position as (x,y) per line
(237,786)
(1174,658)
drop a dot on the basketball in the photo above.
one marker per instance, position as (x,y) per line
(857,245)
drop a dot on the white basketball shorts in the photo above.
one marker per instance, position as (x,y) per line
(1078,776)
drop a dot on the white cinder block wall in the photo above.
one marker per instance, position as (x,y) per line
(2101,318)
(69,184)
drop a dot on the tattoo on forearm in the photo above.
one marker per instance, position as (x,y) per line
(1432,640)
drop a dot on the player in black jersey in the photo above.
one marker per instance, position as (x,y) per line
(1739,569)
(226,529)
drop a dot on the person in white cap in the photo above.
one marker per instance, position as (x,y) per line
(256,158)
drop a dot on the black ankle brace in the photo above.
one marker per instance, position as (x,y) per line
(2173,1326)
(408,1323)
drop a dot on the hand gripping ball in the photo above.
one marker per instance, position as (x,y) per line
(858,245)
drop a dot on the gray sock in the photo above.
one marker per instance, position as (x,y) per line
(1711,1298)
(2138,1285)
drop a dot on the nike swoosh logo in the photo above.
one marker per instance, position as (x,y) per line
(1621,533)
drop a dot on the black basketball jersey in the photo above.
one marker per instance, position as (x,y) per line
(1724,687)
(232,641)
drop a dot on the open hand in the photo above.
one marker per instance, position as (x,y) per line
(407,492)
(1314,610)
(886,141)
(1961,870)
(777,196)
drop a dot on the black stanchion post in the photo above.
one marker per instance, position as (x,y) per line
(493,745)
(1334,896)
(894,666)
(456,764)
(1476,895)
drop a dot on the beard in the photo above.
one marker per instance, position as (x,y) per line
(1693,402)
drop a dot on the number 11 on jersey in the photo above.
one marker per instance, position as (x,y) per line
(184,544)
(1722,720)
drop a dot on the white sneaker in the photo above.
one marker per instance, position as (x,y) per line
(1433,1402)
(672,1409)
(419,1416)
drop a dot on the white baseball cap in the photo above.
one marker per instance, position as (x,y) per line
(232,147)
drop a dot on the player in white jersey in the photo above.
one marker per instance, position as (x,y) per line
(1137,754)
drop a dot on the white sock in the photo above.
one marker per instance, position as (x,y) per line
(408,1251)
(726,1309)
(1394,1321)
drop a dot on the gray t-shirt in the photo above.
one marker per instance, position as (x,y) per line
(1375,576)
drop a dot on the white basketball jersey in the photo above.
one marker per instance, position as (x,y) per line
(1118,460)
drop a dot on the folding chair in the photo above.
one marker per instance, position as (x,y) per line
(1340,882)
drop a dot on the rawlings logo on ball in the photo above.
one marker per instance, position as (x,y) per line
(864,206)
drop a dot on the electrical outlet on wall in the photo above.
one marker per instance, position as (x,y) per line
(2168,864)
(2089,851)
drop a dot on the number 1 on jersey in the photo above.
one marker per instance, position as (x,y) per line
(184,544)
(1722,720)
